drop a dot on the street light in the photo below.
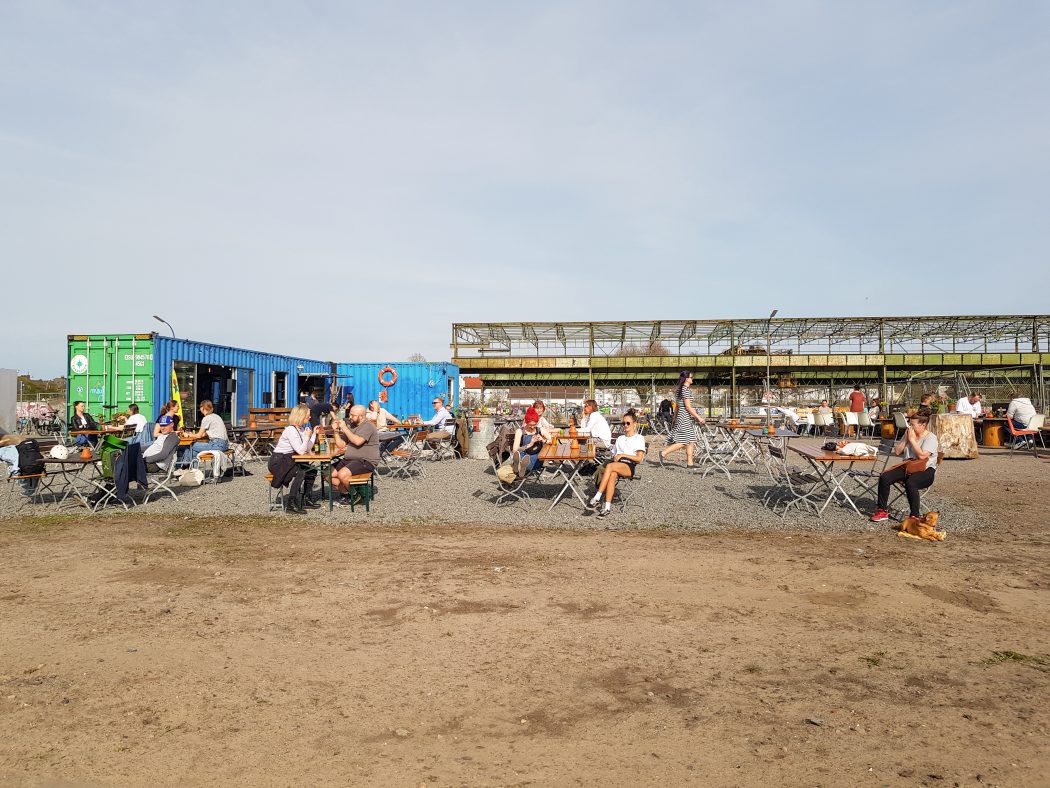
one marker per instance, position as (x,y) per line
(165,322)
(769,350)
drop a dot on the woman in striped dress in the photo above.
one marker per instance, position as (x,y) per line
(683,431)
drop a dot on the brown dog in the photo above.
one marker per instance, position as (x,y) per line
(924,527)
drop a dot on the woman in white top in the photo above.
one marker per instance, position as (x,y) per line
(297,438)
(919,447)
(135,419)
(628,451)
(211,436)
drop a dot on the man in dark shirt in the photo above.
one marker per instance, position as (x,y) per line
(359,439)
(317,408)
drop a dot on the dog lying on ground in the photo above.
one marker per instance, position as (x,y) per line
(924,527)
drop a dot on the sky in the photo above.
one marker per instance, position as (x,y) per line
(344,180)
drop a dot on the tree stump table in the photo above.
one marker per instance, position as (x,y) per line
(955,435)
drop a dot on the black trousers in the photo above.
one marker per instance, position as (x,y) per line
(912,485)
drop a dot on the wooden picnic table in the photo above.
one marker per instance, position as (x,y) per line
(325,460)
(568,462)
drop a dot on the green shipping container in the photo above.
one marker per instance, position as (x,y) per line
(110,372)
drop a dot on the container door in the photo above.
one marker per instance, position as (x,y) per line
(242,396)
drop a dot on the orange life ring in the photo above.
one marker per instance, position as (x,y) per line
(393,376)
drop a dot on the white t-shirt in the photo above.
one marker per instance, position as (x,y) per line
(596,426)
(214,426)
(927,443)
(1020,410)
(629,444)
(967,408)
(138,421)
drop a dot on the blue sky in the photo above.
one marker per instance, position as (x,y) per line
(232,166)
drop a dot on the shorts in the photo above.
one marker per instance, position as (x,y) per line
(631,465)
(355,466)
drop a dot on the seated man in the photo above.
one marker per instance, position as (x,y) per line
(1020,412)
(969,406)
(442,421)
(359,440)
(162,452)
(595,425)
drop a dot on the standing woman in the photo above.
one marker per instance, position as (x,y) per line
(297,438)
(683,431)
(628,451)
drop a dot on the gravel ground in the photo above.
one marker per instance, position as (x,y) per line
(464,491)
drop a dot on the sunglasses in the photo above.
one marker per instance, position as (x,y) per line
(627,423)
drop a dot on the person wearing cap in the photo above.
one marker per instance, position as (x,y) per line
(169,409)
(160,454)
(528,440)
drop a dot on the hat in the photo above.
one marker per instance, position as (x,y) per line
(531,415)
(164,421)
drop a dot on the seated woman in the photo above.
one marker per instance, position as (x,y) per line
(297,438)
(82,421)
(527,444)
(919,447)
(628,451)
(211,436)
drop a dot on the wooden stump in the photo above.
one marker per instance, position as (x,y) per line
(955,435)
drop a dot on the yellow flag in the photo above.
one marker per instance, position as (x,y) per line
(175,395)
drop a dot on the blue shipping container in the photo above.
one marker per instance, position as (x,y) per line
(417,385)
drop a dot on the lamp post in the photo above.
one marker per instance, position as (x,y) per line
(165,322)
(769,351)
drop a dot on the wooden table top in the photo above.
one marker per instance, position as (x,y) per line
(73,459)
(562,451)
(761,433)
(740,425)
(822,455)
(331,455)
(100,431)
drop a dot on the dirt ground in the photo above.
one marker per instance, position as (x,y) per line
(206,651)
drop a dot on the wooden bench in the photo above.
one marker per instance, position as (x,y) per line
(365,484)
(270,417)
(276,501)
(235,464)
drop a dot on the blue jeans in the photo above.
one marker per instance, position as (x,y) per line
(202,446)
(9,454)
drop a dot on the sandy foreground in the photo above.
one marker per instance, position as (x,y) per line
(263,652)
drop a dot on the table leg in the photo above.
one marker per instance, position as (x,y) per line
(569,483)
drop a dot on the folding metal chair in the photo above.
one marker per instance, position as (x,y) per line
(161,482)
(791,486)
(509,491)
(712,457)
(441,448)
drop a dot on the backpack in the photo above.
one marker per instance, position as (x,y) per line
(30,460)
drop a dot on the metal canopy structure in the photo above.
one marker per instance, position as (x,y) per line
(812,350)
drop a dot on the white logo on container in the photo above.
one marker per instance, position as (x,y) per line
(78,364)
